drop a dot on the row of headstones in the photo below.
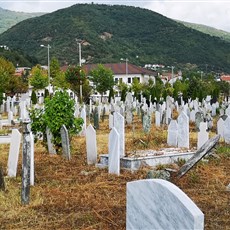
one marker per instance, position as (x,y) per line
(178,131)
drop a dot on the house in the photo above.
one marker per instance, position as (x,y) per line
(122,72)
(225,78)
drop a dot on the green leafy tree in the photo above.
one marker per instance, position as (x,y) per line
(34,97)
(60,81)
(39,78)
(75,76)
(54,68)
(6,72)
(59,110)
(136,87)
(102,78)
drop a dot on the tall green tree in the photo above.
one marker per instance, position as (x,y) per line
(76,77)
(7,70)
(54,68)
(102,78)
(39,78)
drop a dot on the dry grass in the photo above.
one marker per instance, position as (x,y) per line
(73,195)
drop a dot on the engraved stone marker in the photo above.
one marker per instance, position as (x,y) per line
(65,142)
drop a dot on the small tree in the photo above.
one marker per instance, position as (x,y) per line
(34,97)
(39,78)
(102,78)
(76,77)
(59,110)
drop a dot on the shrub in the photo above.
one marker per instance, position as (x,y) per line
(59,110)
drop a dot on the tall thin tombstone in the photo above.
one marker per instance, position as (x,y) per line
(91,145)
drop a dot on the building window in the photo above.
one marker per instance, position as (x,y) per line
(129,79)
(116,80)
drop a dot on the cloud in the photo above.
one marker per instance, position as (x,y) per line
(211,13)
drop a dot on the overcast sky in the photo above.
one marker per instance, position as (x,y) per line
(207,12)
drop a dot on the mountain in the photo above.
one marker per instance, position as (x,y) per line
(109,33)
(208,30)
(10,18)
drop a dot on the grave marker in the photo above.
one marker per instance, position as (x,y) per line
(159,204)
(91,145)
(14,153)
(114,152)
(65,142)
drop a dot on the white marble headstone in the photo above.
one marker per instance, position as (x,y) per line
(114,152)
(14,153)
(226,130)
(83,116)
(157,119)
(172,133)
(183,131)
(220,127)
(91,145)
(203,134)
(159,204)
(110,121)
(119,124)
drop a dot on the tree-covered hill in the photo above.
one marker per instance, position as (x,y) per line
(208,30)
(10,18)
(109,33)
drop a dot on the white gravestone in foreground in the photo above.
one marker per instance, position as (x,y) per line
(159,204)
(91,145)
(14,153)
(32,159)
(114,152)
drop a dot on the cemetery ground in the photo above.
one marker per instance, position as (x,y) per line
(74,195)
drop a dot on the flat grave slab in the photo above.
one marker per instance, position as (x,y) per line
(150,157)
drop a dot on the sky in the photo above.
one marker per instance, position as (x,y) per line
(207,12)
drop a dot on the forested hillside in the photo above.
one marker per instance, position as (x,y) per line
(10,18)
(109,33)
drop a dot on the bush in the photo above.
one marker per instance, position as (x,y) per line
(59,110)
(34,98)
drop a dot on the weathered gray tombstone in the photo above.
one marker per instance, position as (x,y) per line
(147,123)
(203,134)
(198,155)
(183,131)
(65,142)
(91,145)
(96,118)
(31,158)
(114,152)
(172,133)
(199,117)
(49,136)
(226,131)
(119,124)
(2,181)
(14,153)
(159,204)
(26,162)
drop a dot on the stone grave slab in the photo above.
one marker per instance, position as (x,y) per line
(159,204)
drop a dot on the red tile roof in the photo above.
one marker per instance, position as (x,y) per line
(118,68)
(225,78)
